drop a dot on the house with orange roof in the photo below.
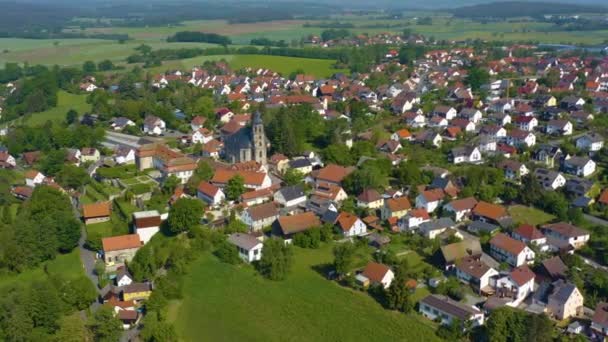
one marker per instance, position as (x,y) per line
(516,286)
(166,160)
(287,226)
(514,252)
(402,134)
(395,207)
(413,219)
(430,199)
(378,274)
(332,173)
(488,212)
(351,225)
(96,212)
(460,208)
(370,199)
(120,249)
(252,180)
(33,178)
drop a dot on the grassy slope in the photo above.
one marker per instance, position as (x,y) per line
(65,102)
(522,214)
(230,303)
(67,266)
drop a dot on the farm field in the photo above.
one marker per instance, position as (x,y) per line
(522,214)
(228,303)
(65,102)
(66,266)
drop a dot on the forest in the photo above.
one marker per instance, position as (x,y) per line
(512,9)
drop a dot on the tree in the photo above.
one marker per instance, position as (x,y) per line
(157,330)
(185,214)
(277,259)
(235,187)
(105,65)
(104,326)
(72,329)
(72,176)
(398,294)
(228,253)
(78,293)
(89,67)
(293,177)
(71,116)
(477,77)
(170,184)
(344,257)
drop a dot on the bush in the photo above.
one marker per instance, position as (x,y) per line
(228,253)
(308,239)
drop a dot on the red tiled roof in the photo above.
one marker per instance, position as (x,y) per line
(488,210)
(522,275)
(398,204)
(506,243)
(346,220)
(116,243)
(375,271)
(101,209)
(529,232)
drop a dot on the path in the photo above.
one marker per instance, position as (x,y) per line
(595,220)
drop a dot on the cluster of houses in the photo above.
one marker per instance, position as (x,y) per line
(384,38)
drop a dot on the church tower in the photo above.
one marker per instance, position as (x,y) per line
(260,143)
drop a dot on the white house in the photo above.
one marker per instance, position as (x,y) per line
(549,179)
(379,274)
(438,307)
(154,125)
(33,178)
(466,154)
(146,224)
(249,247)
(290,196)
(210,194)
(526,123)
(563,234)
(122,277)
(473,271)
(124,155)
(202,136)
(430,199)
(6,160)
(511,251)
(460,208)
(519,137)
(592,142)
(559,127)
(517,285)
(413,219)
(260,216)
(351,225)
(579,166)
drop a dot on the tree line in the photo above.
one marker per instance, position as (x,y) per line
(199,37)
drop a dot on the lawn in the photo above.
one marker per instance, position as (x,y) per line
(65,102)
(522,214)
(231,303)
(66,266)
(116,226)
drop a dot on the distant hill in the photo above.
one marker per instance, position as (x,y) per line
(509,9)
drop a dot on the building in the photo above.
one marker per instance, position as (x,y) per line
(96,212)
(592,142)
(515,286)
(529,234)
(434,228)
(253,180)
(351,225)
(461,208)
(210,193)
(136,292)
(168,161)
(430,199)
(370,199)
(260,216)
(287,226)
(438,307)
(456,251)
(565,300)
(290,196)
(248,143)
(511,251)
(491,213)
(579,166)
(120,249)
(154,125)
(146,224)
(565,235)
(248,246)
(599,323)
(395,207)
(379,274)
(549,179)
(473,271)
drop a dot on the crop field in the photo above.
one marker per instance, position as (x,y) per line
(229,303)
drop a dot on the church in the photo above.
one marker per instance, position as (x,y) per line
(247,144)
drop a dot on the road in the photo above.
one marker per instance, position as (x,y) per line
(595,220)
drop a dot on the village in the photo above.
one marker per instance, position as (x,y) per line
(490,172)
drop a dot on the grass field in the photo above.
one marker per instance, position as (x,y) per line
(522,214)
(66,266)
(65,102)
(283,65)
(228,303)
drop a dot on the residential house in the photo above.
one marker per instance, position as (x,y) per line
(290,196)
(332,174)
(565,300)
(529,234)
(592,142)
(248,246)
(168,161)
(33,178)
(549,179)
(395,207)
(378,274)
(432,229)
(136,292)
(548,155)
(460,209)
(402,134)
(123,278)
(370,199)
(516,286)
(579,166)
(146,224)
(154,125)
(526,123)
(89,154)
(430,199)
(489,212)
(521,138)
(260,216)
(599,322)
(120,123)
(554,268)
(253,180)
(120,249)
(467,154)
(124,155)
(446,112)
(287,226)
(201,136)
(301,165)
(197,122)
(471,270)
(513,169)
(572,102)
(478,227)
(511,251)
(413,219)
(7,161)
(351,225)
(210,193)
(96,212)
(446,310)
(565,235)
(559,127)
(471,114)
(255,197)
